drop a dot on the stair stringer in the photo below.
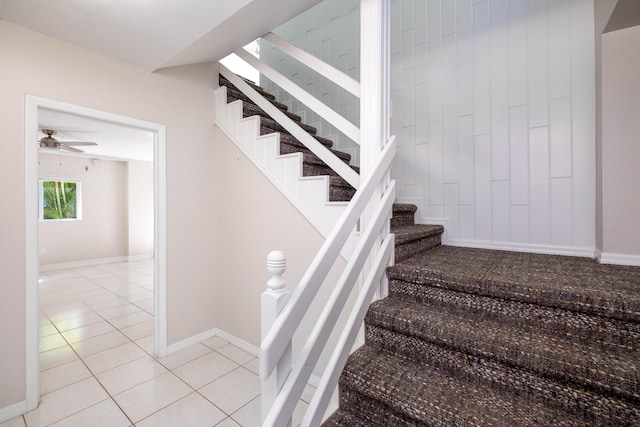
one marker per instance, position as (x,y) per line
(309,194)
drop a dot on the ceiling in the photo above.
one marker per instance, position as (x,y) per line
(115,141)
(625,14)
(150,34)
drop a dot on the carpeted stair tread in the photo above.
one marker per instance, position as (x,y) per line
(225,82)
(593,328)
(342,418)
(251,109)
(612,370)
(234,94)
(572,283)
(403,214)
(420,395)
(409,233)
(597,408)
(413,239)
(291,140)
(248,110)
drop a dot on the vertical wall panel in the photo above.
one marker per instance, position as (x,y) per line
(519,159)
(451,211)
(501,211)
(467,222)
(466,160)
(499,122)
(450,129)
(434,28)
(539,167)
(435,163)
(560,138)
(493,108)
(517,52)
(583,111)
(484,220)
(559,49)
(520,224)
(561,211)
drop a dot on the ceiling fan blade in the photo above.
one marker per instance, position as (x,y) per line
(77,143)
(71,149)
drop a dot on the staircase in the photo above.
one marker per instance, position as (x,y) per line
(480,337)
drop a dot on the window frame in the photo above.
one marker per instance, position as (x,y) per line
(78,184)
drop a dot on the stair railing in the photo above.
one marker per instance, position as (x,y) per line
(277,342)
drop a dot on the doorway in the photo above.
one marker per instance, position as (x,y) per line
(34,107)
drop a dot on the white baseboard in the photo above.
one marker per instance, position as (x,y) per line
(618,259)
(83,263)
(240,343)
(12,411)
(523,247)
(188,342)
(215,332)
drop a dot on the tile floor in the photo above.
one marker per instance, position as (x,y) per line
(97,364)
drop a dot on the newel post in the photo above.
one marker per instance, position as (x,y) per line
(273,301)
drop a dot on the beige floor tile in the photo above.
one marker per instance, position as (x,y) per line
(130,319)
(100,343)
(130,374)
(62,376)
(205,369)
(116,356)
(215,343)
(47,329)
(121,310)
(103,414)
(233,391)
(14,422)
(227,422)
(253,366)
(52,341)
(181,357)
(307,393)
(66,401)
(140,330)
(144,399)
(147,305)
(57,356)
(192,410)
(77,321)
(107,304)
(70,310)
(147,344)
(249,414)
(236,354)
(89,331)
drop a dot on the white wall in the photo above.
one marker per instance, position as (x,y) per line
(140,208)
(493,107)
(101,233)
(621,146)
(182,100)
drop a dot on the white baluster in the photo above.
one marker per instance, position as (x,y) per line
(274,299)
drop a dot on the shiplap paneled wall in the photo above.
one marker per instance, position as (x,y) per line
(494,110)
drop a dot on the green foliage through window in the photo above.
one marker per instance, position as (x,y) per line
(59,199)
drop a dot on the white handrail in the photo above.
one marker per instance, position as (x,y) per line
(327,113)
(275,342)
(343,80)
(303,367)
(329,380)
(333,161)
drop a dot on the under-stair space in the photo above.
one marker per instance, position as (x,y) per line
(493,338)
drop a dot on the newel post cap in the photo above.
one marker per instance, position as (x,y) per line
(276,265)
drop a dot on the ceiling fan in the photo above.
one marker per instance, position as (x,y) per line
(49,141)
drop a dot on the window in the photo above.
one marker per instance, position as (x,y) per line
(60,200)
